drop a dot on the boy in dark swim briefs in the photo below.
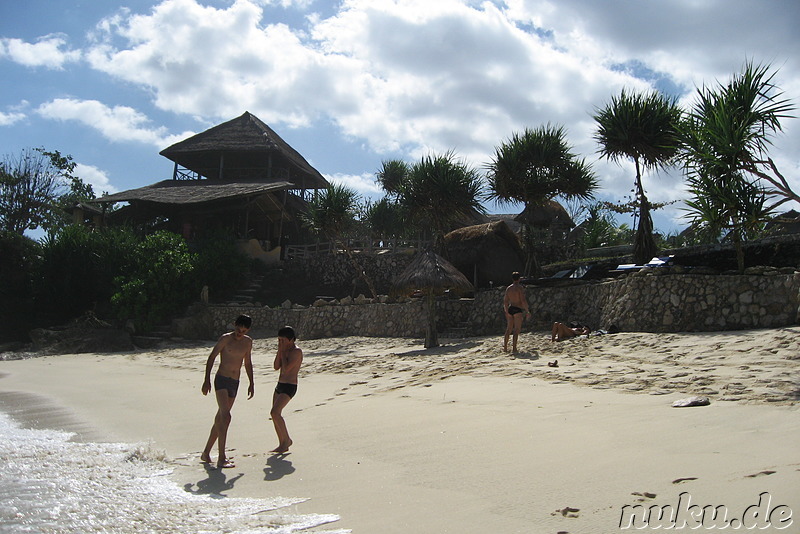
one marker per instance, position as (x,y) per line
(515,306)
(234,349)
(287,361)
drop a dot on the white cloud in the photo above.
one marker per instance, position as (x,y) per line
(7,119)
(94,177)
(364,184)
(47,52)
(411,76)
(120,123)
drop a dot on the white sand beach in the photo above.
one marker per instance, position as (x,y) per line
(463,438)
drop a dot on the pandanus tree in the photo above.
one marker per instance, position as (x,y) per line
(332,214)
(536,166)
(642,127)
(726,136)
(435,194)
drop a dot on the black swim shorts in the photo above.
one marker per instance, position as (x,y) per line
(228,383)
(513,310)
(287,389)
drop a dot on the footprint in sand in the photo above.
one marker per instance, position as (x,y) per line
(645,494)
(568,511)
(760,474)
(684,479)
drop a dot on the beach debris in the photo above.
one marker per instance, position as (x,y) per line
(554,363)
(691,401)
(645,494)
(683,479)
(568,511)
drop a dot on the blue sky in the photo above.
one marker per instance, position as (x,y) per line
(351,83)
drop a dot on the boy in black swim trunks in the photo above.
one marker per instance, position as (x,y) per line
(235,350)
(287,361)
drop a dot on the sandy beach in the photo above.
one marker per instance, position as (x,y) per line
(463,438)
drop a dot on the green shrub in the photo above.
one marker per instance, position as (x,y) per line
(158,282)
(220,264)
(77,269)
(18,257)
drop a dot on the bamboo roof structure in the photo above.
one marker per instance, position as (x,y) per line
(193,191)
(430,273)
(244,148)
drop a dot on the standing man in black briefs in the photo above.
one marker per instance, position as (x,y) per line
(234,350)
(515,306)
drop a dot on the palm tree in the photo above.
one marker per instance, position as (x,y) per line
(643,128)
(393,175)
(535,166)
(332,214)
(725,140)
(439,193)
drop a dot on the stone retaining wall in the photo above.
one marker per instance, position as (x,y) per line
(645,302)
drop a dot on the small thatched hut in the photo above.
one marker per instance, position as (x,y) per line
(431,275)
(486,253)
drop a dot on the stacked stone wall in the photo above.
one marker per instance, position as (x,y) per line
(644,302)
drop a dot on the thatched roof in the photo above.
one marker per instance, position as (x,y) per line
(193,191)
(486,252)
(550,214)
(430,272)
(244,148)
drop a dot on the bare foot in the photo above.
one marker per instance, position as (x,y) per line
(205,458)
(225,464)
(283,447)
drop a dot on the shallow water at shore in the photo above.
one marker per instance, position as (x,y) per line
(49,484)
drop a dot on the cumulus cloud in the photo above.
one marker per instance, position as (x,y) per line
(118,123)
(363,183)
(412,76)
(7,119)
(95,177)
(49,51)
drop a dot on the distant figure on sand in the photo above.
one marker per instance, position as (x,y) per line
(234,349)
(514,304)
(561,331)
(287,361)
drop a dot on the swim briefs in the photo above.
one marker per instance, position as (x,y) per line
(227,383)
(513,310)
(287,389)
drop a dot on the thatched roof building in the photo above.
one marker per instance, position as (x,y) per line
(239,175)
(486,253)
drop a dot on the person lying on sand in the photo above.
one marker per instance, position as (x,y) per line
(561,331)
(234,349)
(287,361)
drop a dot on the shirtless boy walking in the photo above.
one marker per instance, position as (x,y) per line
(287,361)
(514,304)
(234,349)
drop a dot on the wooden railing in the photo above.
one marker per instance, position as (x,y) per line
(398,247)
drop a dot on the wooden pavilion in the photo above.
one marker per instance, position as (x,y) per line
(239,176)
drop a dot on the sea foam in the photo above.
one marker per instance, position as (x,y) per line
(49,484)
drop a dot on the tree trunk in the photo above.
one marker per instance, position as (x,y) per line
(644,246)
(431,335)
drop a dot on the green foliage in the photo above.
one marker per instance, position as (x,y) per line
(77,270)
(157,283)
(538,165)
(725,137)
(385,219)
(393,176)
(18,255)
(219,264)
(332,212)
(644,129)
(439,193)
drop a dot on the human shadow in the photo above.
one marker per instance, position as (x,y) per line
(216,482)
(278,467)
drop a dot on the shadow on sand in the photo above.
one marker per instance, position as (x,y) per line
(278,467)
